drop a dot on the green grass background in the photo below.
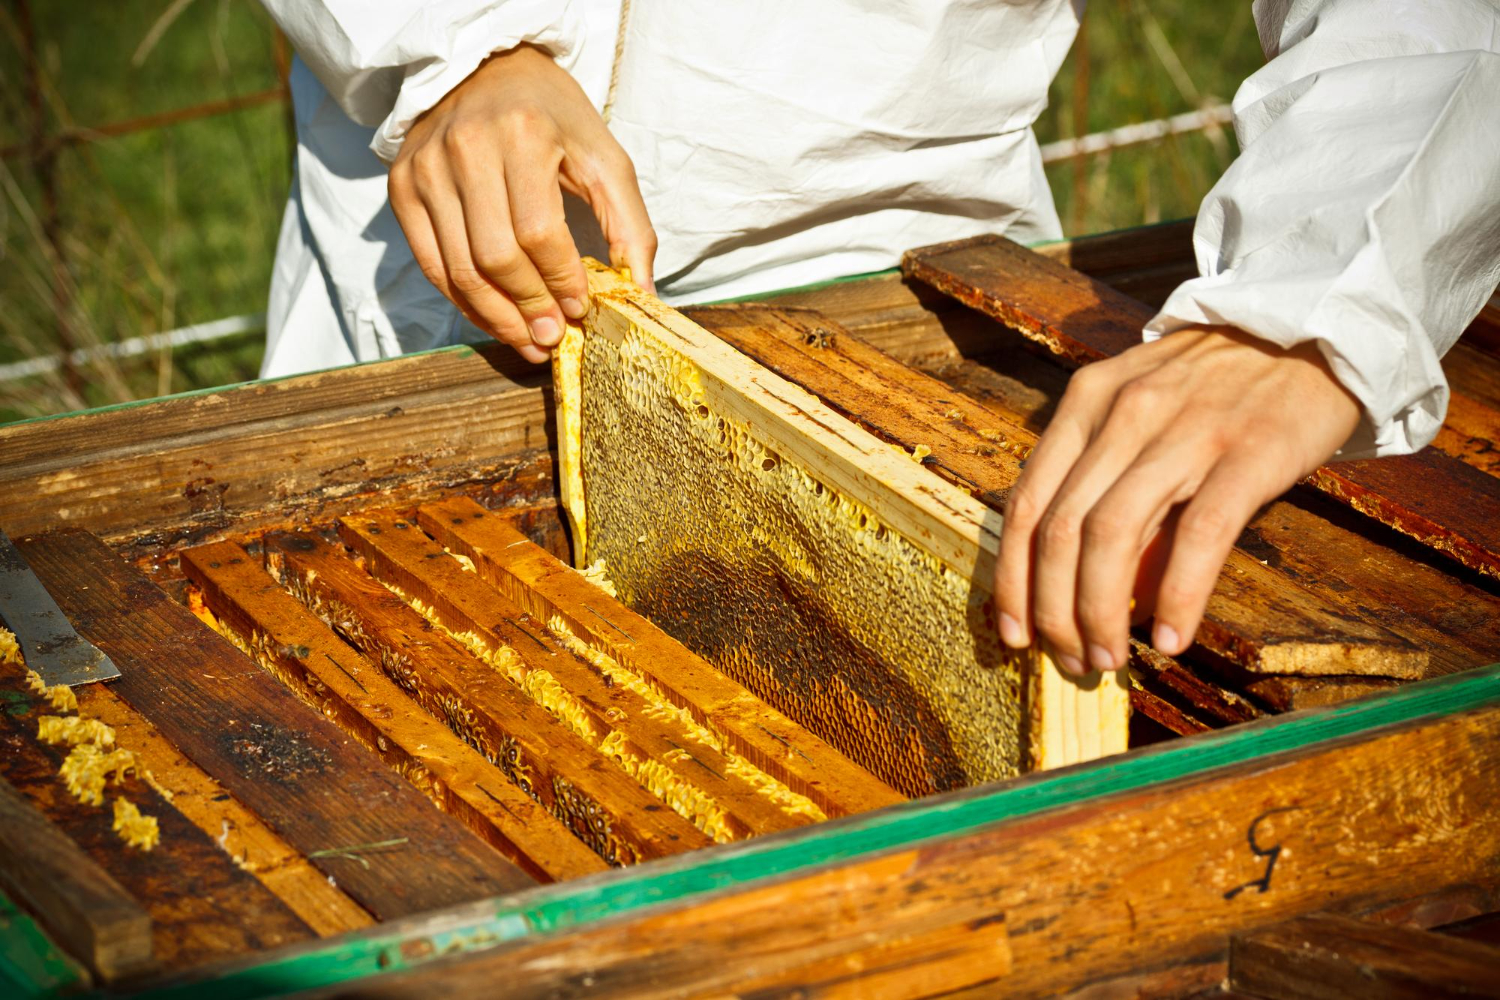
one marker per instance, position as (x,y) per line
(177,225)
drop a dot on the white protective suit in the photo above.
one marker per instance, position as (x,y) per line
(782,143)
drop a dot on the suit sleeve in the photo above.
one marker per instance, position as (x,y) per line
(386,63)
(1363,213)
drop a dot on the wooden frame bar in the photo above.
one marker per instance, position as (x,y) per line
(545,586)
(603,807)
(310,659)
(397,553)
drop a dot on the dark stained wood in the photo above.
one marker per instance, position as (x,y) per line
(1439,500)
(345,687)
(397,553)
(544,586)
(280,758)
(1443,503)
(1146,701)
(1123,886)
(593,797)
(201,906)
(1216,706)
(237,831)
(1326,956)
(85,910)
(1255,617)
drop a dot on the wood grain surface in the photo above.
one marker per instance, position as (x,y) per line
(544,586)
(347,688)
(85,910)
(1326,956)
(399,554)
(601,804)
(1436,499)
(201,905)
(200,466)
(1143,882)
(283,760)
(250,843)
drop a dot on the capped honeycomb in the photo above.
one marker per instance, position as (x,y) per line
(790,586)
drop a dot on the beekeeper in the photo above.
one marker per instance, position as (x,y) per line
(454,158)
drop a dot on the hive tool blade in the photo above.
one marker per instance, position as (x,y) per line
(50,644)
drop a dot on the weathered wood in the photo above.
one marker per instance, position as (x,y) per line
(309,658)
(237,831)
(81,905)
(1325,956)
(544,586)
(1121,885)
(201,906)
(397,553)
(1255,617)
(1146,701)
(284,761)
(1211,702)
(906,319)
(1440,501)
(591,795)
(204,465)
(1457,623)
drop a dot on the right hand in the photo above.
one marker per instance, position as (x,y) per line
(477,188)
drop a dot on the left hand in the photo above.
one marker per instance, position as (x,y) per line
(1187,436)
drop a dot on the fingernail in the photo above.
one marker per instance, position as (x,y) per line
(545,331)
(1072,665)
(1101,658)
(573,309)
(1165,639)
(1010,631)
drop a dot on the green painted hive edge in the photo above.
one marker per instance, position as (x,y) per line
(574,904)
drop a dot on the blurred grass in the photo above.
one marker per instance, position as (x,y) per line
(177,225)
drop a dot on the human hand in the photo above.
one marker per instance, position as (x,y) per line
(1163,453)
(477,188)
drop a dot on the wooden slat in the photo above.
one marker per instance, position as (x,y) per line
(1325,956)
(308,657)
(237,831)
(397,553)
(592,796)
(1439,500)
(202,907)
(544,586)
(192,467)
(89,914)
(1254,617)
(1458,623)
(281,759)
(1149,880)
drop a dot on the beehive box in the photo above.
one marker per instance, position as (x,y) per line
(351,798)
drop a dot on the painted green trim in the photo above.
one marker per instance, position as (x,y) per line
(30,964)
(574,904)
